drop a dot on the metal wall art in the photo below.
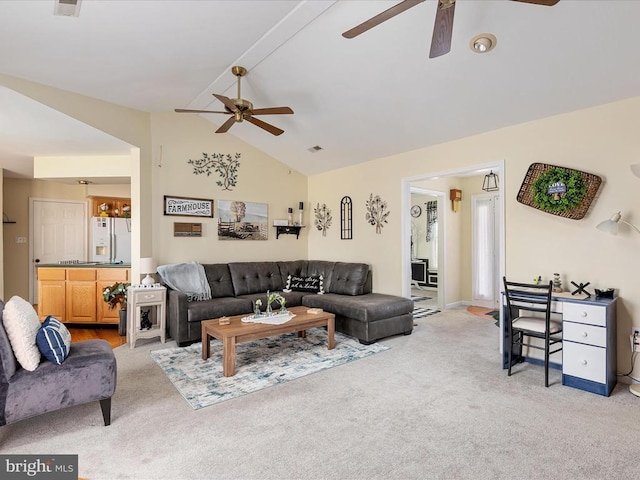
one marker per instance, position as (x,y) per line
(242,220)
(225,166)
(377,212)
(323,218)
(346,218)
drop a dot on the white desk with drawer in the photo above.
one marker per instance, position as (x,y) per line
(588,342)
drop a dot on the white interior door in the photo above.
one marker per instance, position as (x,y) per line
(485,251)
(58,232)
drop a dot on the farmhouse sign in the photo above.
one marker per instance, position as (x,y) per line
(185,206)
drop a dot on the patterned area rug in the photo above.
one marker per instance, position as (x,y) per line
(420,299)
(259,364)
(421,312)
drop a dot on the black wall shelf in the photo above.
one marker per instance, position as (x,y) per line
(288,229)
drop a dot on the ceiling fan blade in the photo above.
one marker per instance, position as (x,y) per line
(272,111)
(227,102)
(226,125)
(547,3)
(185,110)
(381,17)
(442,29)
(264,125)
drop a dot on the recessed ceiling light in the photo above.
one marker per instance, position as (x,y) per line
(483,43)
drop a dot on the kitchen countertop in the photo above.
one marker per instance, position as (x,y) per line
(84,265)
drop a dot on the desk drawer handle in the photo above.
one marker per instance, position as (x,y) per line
(585,334)
(149,296)
(584,362)
(583,314)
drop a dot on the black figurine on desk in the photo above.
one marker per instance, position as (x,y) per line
(581,288)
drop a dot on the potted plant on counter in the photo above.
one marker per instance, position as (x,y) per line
(116,295)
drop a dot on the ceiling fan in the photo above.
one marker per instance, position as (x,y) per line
(241,109)
(442,30)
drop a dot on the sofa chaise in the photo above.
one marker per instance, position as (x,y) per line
(347,293)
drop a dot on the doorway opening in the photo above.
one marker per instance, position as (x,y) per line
(455,265)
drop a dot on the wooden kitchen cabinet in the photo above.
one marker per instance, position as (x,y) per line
(116,206)
(81,295)
(52,292)
(74,295)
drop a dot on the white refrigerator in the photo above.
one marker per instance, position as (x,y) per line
(110,240)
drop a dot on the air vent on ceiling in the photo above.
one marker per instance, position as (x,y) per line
(315,149)
(67,8)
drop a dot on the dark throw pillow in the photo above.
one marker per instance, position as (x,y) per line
(54,340)
(314,284)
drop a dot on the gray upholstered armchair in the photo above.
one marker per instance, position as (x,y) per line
(88,374)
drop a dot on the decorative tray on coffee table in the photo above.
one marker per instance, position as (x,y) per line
(274,319)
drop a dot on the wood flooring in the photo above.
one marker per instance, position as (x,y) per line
(109,334)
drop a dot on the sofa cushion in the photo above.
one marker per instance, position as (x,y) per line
(21,323)
(8,360)
(219,307)
(54,340)
(255,277)
(292,267)
(219,279)
(320,267)
(349,278)
(365,308)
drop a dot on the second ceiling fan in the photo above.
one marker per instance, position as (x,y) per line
(442,30)
(241,109)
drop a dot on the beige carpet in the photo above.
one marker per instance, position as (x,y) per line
(436,405)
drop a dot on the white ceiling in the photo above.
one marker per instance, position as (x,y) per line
(376,95)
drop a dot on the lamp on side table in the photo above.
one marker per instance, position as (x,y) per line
(148,266)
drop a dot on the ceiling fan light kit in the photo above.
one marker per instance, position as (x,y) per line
(443,27)
(241,109)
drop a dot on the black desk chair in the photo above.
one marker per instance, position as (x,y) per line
(523,298)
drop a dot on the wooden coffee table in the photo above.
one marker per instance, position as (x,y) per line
(238,331)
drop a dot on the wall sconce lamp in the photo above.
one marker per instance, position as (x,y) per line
(611,226)
(455,196)
(490,182)
(148,266)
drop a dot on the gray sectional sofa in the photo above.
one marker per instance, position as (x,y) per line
(348,294)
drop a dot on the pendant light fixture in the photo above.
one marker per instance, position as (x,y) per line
(490,183)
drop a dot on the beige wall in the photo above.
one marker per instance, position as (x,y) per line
(601,140)
(261,179)
(16,194)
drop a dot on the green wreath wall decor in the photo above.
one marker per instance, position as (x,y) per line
(558,190)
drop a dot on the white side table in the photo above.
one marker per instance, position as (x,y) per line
(138,297)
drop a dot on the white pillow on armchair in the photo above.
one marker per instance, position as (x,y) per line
(22,324)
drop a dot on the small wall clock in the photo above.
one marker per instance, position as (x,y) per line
(416,211)
(558,190)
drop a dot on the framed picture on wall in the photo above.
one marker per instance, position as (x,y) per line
(188,207)
(242,220)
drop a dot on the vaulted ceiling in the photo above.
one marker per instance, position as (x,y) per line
(372,96)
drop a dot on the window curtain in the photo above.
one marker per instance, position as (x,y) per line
(432,218)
